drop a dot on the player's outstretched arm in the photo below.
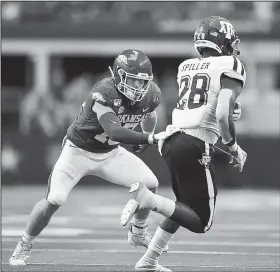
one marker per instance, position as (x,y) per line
(112,126)
(231,89)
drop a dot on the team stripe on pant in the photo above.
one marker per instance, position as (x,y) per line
(211,192)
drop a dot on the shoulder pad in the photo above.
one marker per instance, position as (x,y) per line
(232,67)
(101,93)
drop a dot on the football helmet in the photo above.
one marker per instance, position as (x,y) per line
(217,33)
(132,73)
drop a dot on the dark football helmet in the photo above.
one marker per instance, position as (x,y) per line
(217,33)
(132,73)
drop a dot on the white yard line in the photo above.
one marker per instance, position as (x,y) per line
(137,251)
(123,241)
(8,231)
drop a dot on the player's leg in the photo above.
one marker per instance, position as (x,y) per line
(200,204)
(67,171)
(124,168)
(164,233)
(183,155)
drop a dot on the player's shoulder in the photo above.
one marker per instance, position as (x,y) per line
(231,66)
(231,63)
(104,92)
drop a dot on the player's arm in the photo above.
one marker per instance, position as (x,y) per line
(230,90)
(112,126)
(148,125)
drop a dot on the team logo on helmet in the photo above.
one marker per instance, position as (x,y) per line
(122,58)
(133,55)
(227,29)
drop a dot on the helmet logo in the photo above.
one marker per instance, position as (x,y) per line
(133,56)
(122,58)
(227,28)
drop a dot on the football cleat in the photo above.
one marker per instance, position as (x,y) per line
(21,253)
(140,239)
(129,210)
(143,238)
(143,265)
(141,198)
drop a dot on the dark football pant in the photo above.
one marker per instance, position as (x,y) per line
(189,162)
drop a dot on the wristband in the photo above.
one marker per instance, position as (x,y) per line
(233,147)
(231,143)
(151,139)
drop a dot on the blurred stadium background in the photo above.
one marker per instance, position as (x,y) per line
(53,52)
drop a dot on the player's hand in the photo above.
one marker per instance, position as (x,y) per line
(170,130)
(236,111)
(240,157)
(138,148)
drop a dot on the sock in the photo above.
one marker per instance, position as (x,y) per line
(138,224)
(27,238)
(163,205)
(157,245)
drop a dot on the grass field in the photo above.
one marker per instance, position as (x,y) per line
(85,234)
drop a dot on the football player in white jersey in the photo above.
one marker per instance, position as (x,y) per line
(208,88)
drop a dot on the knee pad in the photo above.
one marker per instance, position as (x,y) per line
(57,199)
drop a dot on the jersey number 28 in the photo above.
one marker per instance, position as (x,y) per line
(193,91)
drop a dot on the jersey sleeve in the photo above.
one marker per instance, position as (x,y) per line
(101,94)
(156,97)
(232,67)
(99,100)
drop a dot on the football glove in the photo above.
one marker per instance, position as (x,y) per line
(162,136)
(239,156)
(236,111)
(138,148)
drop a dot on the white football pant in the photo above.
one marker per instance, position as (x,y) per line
(118,166)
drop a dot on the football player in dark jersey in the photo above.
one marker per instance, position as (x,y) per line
(208,89)
(114,107)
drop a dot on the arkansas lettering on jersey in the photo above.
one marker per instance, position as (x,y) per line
(199,88)
(86,131)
